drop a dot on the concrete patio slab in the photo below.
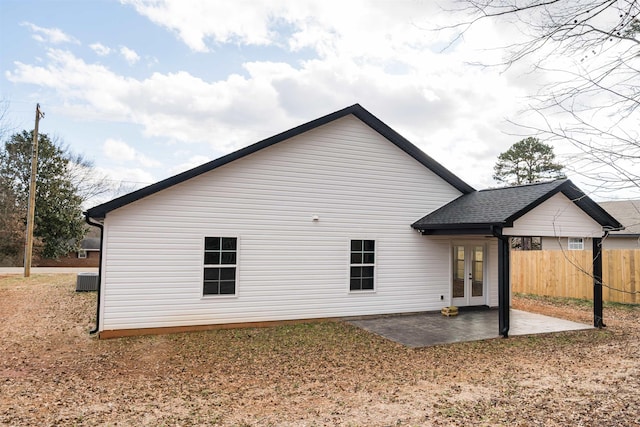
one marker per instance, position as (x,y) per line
(427,329)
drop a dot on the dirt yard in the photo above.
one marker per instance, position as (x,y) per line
(322,374)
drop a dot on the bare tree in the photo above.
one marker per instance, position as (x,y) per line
(6,128)
(89,183)
(592,50)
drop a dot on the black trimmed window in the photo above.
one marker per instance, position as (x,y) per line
(363,257)
(533,243)
(220,256)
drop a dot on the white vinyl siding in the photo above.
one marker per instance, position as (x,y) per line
(619,242)
(556,217)
(292,267)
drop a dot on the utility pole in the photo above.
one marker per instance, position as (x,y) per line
(28,247)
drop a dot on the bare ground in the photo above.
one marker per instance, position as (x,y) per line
(52,372)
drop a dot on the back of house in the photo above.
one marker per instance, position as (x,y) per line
(340,216)
(311,224)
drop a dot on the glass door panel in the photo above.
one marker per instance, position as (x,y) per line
(459,266)
(477,272)
(468,278)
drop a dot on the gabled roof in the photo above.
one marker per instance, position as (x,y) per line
(628,212)
(357,110)
(500,207)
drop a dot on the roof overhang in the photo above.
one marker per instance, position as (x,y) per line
(459,229)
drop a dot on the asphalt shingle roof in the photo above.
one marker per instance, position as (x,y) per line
(502,206)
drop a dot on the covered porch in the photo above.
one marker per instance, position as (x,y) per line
(555,209)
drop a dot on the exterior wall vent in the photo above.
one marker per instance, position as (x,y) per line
(87,282)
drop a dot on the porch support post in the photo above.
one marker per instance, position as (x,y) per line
(504,284)
(597,283)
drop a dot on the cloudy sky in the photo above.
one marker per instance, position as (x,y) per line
(149,88)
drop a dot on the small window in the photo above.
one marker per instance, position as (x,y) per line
(82,254)
(576,244)
(533,243)
(362,265)
(220,255)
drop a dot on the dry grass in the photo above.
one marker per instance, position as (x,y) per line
(53,373)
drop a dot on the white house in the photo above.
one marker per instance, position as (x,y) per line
(337,217)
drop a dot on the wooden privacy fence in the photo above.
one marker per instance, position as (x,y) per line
(568,274)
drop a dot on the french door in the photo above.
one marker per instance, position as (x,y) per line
(468,284)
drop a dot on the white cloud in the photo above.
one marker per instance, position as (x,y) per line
(100,49)
(373,53)
(89,87)
(241,21)
(357,28)
(147,162)
(434,102)
(120,151)
(134,177)
(129,55)
(191,163)
(49,35)
(120,181)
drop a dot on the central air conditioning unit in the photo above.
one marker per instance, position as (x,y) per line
(87,282)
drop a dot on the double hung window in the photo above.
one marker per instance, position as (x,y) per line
(362,265)
(220,256)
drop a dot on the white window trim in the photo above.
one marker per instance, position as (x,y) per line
(575,243)
(203,266)
(374,265)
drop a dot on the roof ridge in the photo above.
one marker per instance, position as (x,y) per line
(531,184)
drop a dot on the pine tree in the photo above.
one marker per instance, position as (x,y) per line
(527,161)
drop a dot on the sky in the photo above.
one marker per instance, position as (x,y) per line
(149,88)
